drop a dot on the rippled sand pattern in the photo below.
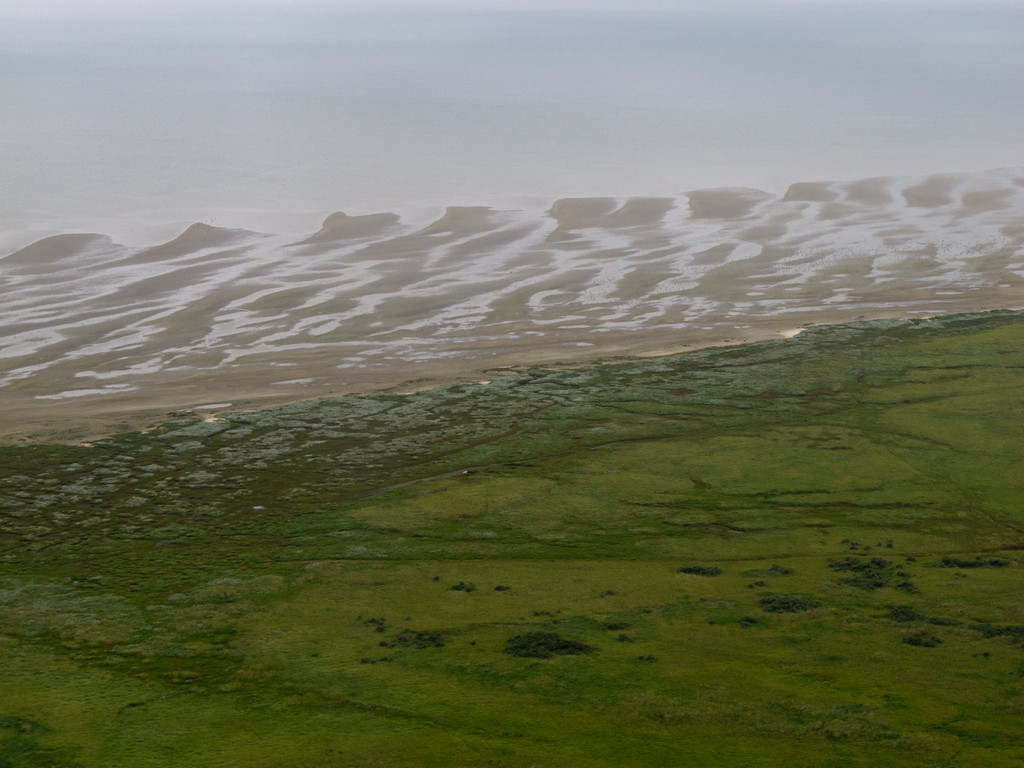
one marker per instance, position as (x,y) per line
(222,316)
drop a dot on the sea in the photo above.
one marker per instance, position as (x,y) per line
(135,120)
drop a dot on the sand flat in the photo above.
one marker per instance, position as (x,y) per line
(96,334)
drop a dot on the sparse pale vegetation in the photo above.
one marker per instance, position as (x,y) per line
(326,584)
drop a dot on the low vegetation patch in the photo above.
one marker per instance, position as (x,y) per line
(873,574)
(864,574)
(1014,631)
(423,639)
(922,639)
(977,562)
(544,645)
(615,625)
(904,613)
(701,570)
(788,604)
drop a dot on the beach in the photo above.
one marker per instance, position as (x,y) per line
(100,337)
(205,210)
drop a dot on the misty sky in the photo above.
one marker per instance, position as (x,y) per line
(252,112)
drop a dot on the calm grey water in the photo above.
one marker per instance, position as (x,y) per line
(269,118)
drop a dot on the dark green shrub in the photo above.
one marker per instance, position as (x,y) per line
(865,574)
(544,645)
(788,604)
(614,625)
(408,638)
(856,564)
(904,613)
(977,562)
(463,586)
(845,564)
(701,570)
(922,639)
(1013,631)
(866,581)
(780,570)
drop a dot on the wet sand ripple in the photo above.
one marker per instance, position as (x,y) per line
(231,315)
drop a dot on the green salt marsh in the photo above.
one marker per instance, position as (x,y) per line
(802,552)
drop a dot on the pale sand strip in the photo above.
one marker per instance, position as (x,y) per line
(79,420)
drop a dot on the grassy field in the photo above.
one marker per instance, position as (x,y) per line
(804,552)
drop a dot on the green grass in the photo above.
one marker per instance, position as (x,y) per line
(276,589)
